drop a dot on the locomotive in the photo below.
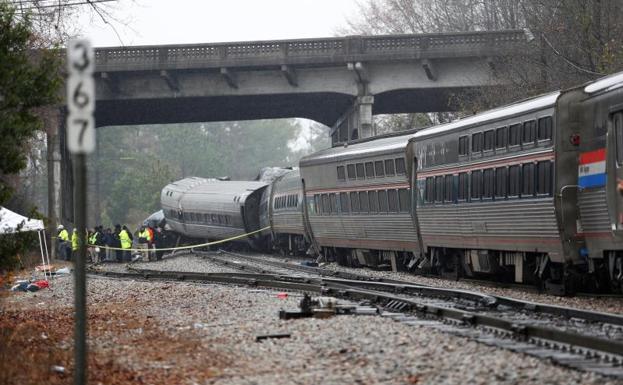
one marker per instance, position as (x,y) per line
(531,192)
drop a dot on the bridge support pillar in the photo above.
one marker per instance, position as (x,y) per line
(356,122)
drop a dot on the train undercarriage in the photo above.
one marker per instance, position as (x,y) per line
(531,269)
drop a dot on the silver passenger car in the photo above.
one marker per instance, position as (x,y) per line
(212,209)
(286,214)
(358,201)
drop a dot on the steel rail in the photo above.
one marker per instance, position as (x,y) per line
(492,299)
(348,289)
(475,319)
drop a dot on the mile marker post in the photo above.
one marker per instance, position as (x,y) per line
(80,142)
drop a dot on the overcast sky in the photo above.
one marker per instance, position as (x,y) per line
(206,21)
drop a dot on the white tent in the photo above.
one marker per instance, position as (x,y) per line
(11,222)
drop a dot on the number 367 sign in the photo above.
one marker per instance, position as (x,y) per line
(80,97)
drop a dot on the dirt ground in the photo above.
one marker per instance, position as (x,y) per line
(125,345)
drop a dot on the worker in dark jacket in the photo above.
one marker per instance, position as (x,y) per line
(159,242)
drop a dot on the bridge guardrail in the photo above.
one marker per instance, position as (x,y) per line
(304,51)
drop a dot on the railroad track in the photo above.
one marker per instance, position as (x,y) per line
(583,340)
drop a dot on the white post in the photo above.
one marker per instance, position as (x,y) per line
(42,256)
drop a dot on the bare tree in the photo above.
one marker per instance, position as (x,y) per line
(574,41)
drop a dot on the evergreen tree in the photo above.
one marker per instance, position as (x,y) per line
(29,80)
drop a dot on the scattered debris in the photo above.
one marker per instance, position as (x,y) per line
(42,284)
(267,336)
(44,268)
(58,369)
(63,271)
(282,295)
(309,263)
(324,307)
(20,286)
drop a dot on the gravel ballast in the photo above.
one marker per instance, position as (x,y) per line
(166,332)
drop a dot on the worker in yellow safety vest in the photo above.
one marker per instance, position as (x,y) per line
(74,243)
(63,243)
(126,243)
(144,241)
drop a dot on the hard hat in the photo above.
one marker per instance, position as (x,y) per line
(60,227)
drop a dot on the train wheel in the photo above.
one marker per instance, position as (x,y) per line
(616,275)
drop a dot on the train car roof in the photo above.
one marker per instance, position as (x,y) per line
(500,113)
(605,84)
(390,144)
(227,187)
(188,183)
(221,194)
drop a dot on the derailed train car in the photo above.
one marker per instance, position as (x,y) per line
(212,210)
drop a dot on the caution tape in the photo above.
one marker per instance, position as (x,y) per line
(184,247)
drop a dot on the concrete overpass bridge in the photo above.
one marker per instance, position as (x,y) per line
(341,82)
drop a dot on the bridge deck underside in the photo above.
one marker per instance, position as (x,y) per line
(325,108)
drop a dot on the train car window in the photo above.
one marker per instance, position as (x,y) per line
(206,218)
(360,171)
(463,145)
(477,142)
(405,200)
(354,202)
(350,169)
(374,201)
(529,132)
(341,173)
(333,202)
(489,140)
(463,187)
(221,219)
(389,167)
(544,178)
(514,132)
(400,166)
(317,202)
(476,185)
(378,168)
(429,193)
(439,189)
(488,185)
(448,189)
(500,137)
(344,203)
(545,128)
(527,179)
(618,135)
(364,205)
(296,203)
(326,206)
(214,218)
(369,170)
(392,198)
(227,219)
(514,181)
(382,201)
(501,179)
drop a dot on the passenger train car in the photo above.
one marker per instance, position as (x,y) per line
(485,190)
(283,202)
(212,209)
(358,201)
